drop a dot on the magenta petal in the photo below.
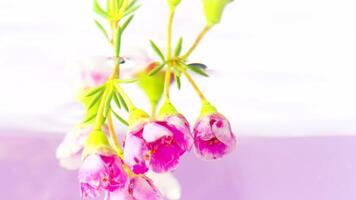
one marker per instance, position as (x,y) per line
(165,156)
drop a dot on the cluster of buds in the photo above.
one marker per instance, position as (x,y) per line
(152,143)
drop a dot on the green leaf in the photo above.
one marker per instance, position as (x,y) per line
(120,118)
(117,44)
(198,65)
(177,78)
(102,29)
(131,10)
(94,91)
(132,3)
(156,69)
(178,47)
(122,101)
(108,102)
(127,80)
(95,100)
(197,70)
(117,101)
(98,10)
(157,50)
(89,118)
(124,25)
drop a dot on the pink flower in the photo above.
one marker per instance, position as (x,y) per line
(158,144)
(138,188)
(100,173)
(213,137)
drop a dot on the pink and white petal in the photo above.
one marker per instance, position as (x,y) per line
(167,184)
(135,150)
(154,131)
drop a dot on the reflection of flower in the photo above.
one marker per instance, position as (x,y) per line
(160,143)
(137,188)
(213,137)
(100,173)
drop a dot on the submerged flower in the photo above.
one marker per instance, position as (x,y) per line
(100,173)
(158,144)
(137,188)
(213,137)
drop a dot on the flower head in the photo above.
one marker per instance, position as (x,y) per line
(100,173)
(137,188)
(212,134)
(157,144)
(101,170)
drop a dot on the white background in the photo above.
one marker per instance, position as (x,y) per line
(279,67)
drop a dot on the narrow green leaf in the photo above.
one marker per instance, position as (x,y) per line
(156,69)
(178,47)
(157,50)
(198,65)
(120,118)
(102,29)
(98,10)
(177,78)
(128,20)
(89,118)
(132,3)
(117,43)
(95,100)
(94,91)
(127,80)
(197,70)
(131,10)
(108,102)
(123,102)
(117,102)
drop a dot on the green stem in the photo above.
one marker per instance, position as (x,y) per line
(194,85)
(167,81)
(100,115)
(196,42)
(114,137)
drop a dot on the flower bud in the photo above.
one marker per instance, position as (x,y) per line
(212,134)
(152,85)
(97,143)
(213,10)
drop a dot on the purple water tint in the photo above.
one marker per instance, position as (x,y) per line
(313,168)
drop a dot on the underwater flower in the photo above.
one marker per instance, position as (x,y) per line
(158,144)
(100,173)
(137,188)
(212,134)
